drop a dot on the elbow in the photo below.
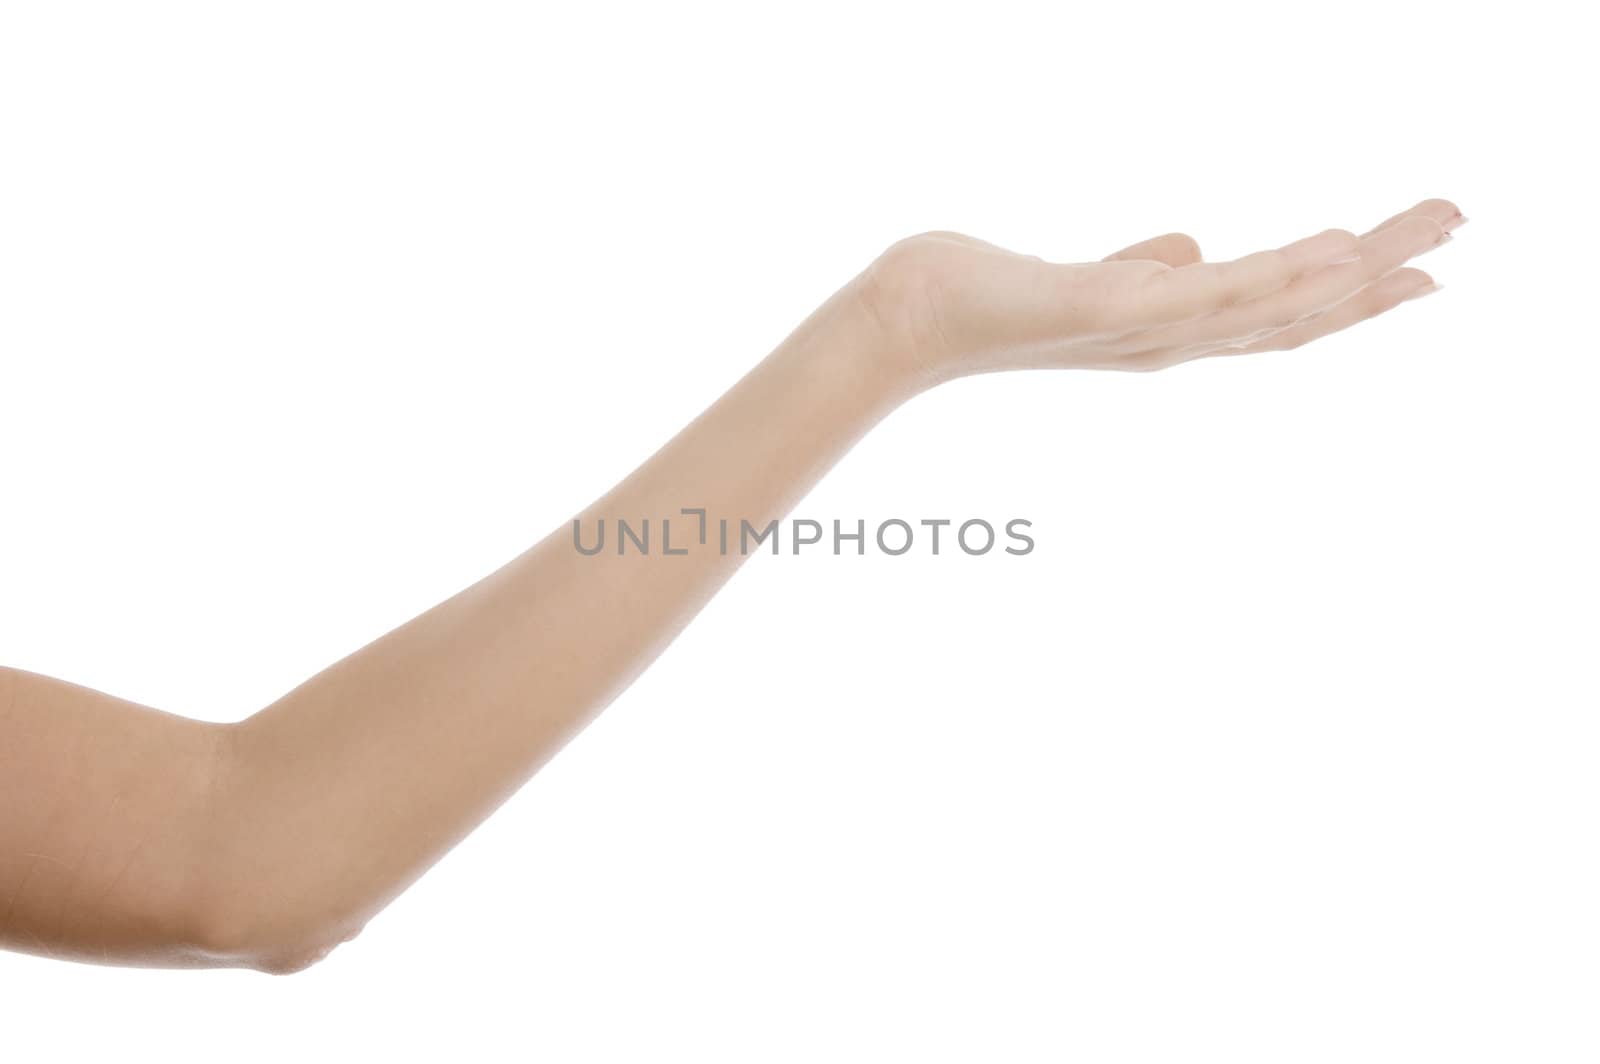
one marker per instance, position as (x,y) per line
(289,958)
(266,936)
(249,906)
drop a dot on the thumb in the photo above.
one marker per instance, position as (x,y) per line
(1174,249)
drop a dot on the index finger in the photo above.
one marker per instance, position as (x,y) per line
(1206,287)
(1447,214)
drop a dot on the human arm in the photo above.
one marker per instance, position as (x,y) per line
(132,836)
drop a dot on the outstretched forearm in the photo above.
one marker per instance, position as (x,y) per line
(342,792)
(265,843)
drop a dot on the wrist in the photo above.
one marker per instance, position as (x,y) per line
(854,342)
(899,295)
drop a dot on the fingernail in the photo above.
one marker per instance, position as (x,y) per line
(1425,290)
(1456,223)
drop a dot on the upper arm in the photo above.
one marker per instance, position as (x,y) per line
(102,802)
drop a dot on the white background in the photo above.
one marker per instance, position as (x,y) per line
(1281,746)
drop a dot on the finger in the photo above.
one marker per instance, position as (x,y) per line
(1174,249)
(1447,214)
(1399,287)
(1205,288)
(1377,298)
(1315,293)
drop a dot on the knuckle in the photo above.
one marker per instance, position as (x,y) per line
(1230,281)
(1423,230)
(1343,239)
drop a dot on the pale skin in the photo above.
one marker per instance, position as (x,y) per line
(133,836)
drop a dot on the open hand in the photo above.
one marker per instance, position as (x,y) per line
(952,305)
